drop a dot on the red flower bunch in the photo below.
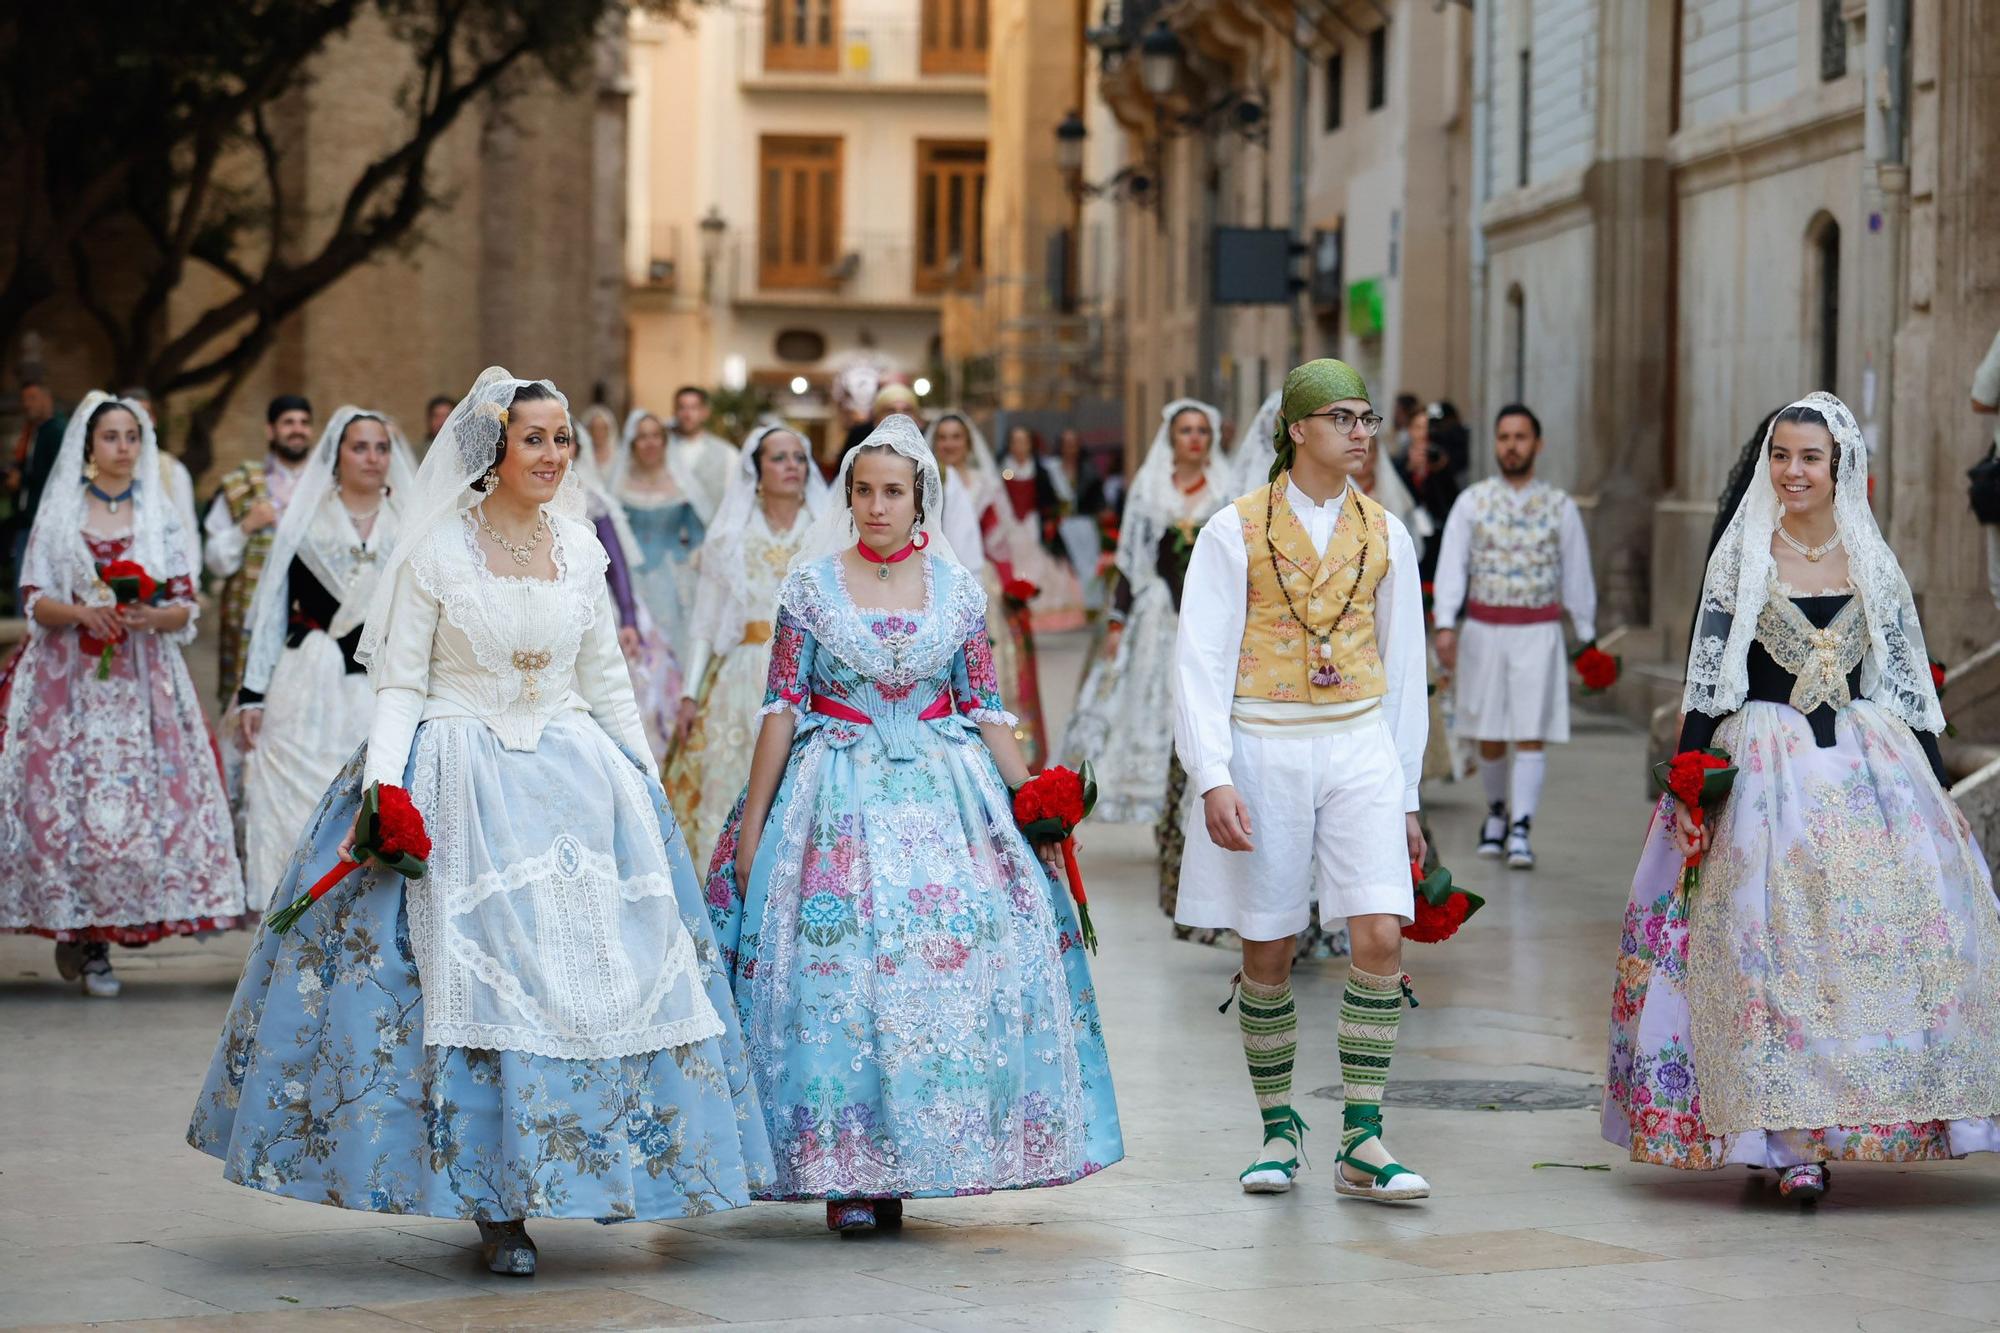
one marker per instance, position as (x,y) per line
(1442,907)
(1597,668)
(1049,807)
(1107,530)
(130,584)
(390,831)
(1700,780)
(1019,590)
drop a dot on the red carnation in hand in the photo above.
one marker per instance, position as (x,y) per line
(1597,668)
(1048,807)
(1019,590)
(1442,907)
(130,584)
(390,830)
(1701,781)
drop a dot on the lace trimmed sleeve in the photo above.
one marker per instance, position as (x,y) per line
(975,680)
(792,648)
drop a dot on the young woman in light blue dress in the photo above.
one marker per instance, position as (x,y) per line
(538,1027)
(914,993)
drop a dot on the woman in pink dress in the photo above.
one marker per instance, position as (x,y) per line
(113,825)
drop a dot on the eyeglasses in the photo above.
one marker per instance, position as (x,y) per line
(1343,420)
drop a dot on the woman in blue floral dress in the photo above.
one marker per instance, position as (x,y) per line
(916,1002)
(539,1026)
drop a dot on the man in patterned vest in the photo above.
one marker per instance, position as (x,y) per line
(1513,559)
(243,519)
(1300,716)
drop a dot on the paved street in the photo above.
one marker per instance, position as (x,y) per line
(106,1214)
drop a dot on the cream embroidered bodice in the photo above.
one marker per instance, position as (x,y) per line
(1820,660)
(510,652)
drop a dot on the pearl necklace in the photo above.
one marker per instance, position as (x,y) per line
(1813,554)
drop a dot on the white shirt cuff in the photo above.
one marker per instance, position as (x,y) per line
(1211,777)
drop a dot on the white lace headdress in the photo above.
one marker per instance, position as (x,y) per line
(722,600)
(1154,502)
(978,452)
(1253,456)
(1895,672)
(57,560)
(315,528)
(465,448)
(833,530)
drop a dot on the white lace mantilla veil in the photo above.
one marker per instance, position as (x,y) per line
(833,529)
(464,449)
(722,599)
(1253,456)
(979,454)
(311,530)
(1154,502)
(598,495)
(57,560)
(1895,672)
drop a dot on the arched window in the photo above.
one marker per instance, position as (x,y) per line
(1823,300)
(1517,343)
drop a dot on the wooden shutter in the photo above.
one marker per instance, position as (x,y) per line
(802,35)
(798,211)
(951,214)
(954,36)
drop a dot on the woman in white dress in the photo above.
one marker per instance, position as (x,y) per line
(975,498)
(1128,689)
(773,497)
(537,1027)
(305,703)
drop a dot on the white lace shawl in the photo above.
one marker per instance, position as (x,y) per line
(730,594)
(58,562)
(317,529)
(1895,673)
(1155,503)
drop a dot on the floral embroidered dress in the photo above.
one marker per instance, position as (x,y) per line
(539,1027)
(114,827)
(917,1005)
(1831,989)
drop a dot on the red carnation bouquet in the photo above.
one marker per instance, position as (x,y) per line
(1442,906)
(390,832)
(1048,807)
(1019,591)
(130,585)
(1597,668)
(1701,781)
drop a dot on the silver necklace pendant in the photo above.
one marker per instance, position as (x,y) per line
(882,573)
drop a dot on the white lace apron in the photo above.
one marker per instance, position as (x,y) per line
(548,921)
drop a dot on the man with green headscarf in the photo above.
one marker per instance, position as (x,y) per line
(1301,714)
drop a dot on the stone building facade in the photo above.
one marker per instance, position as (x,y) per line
(1692,213)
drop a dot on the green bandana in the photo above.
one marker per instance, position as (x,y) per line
(1307,389)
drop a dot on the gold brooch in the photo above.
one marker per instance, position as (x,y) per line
(529,662)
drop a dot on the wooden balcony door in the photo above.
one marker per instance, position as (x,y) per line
(951,214)
(798,210)
(954,36)
(802,36)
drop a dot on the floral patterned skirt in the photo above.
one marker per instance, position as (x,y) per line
(914,993)
(115,828)
(707,773)
(322,1089)
(1831,989)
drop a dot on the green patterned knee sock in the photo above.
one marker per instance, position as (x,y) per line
(1371,1009)
(1270,1024)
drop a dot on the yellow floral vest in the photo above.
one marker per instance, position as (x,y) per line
(1322,662)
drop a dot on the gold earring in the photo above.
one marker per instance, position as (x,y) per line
(489,481)
(89,470)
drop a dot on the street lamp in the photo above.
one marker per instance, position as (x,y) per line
(713,229)
(1159,60)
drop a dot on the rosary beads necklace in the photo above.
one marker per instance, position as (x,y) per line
(1323,673)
